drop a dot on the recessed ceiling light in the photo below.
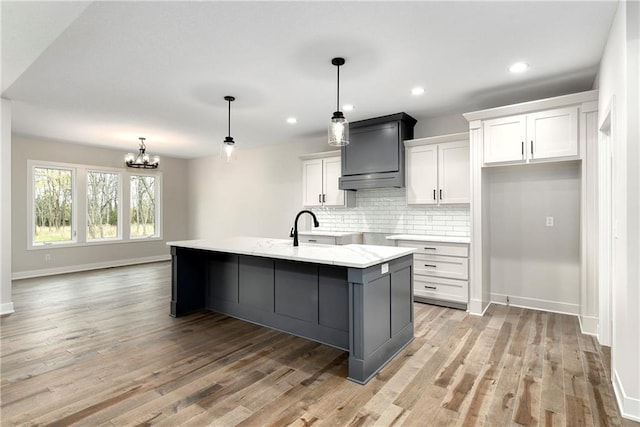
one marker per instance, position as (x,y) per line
(519,67)
(292,120)
(417,91)
(348,107)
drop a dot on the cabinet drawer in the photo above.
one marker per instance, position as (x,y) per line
(325,240)
(436,248)
(444,289)
(441,266)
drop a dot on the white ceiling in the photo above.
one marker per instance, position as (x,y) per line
(120,70)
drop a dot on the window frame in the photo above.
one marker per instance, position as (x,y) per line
(120,234)
(79,194)
(158,202)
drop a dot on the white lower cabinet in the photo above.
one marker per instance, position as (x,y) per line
(440,272)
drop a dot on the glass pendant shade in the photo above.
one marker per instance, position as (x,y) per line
(338,130)
(338,126)
(228,151)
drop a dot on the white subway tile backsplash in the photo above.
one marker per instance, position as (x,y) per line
(386,211)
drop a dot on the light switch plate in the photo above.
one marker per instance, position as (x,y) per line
(549,221)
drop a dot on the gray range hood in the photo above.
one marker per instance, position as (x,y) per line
(375,156)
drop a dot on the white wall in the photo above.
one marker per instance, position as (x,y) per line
(531,263)
(27,263)
(6,304)
(618,84)
(257,195)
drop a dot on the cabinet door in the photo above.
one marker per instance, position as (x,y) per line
(333,196)
(453,172)
(552,133)
(312,182)
(504,139)
(422,174)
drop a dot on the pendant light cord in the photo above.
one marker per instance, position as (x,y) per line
(229,120)
(338,91)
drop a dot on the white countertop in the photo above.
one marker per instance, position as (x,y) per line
(358,256)
(329,233)
(426,238)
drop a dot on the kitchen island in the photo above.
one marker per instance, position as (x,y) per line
(357,298)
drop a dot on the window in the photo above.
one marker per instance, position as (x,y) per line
(103,207)
(143,206)
(60,196)
(53,205)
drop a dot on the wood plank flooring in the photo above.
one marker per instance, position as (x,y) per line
(100,349)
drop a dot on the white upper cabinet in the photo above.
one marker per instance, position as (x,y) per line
(453,172)
(543,135)
(320,181)
(331,170)
(553,133)
(438,170)
(504,139)
(422,174)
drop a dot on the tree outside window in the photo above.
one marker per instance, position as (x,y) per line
(53,198)
(102,205)
(143,206)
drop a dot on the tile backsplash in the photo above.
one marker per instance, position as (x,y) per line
(385,210)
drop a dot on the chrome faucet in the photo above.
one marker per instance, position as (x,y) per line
(294,230)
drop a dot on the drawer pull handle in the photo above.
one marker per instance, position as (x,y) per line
(430,287)
(431,265)
(312,240)
(430,249)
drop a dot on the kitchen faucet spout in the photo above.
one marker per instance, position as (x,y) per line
(294,231)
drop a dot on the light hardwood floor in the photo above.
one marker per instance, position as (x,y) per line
(99,348)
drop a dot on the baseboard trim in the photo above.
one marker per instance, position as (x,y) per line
(6,308)
(629,406)
(536,304)
(84,267)
(589,325)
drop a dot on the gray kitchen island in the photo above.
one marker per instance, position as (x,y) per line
(357,298)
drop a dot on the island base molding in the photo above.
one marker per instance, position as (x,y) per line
(365,311)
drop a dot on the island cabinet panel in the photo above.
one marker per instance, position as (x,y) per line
(296,290)
(380,323)
(401,301)
(187,278)
(377,316)
(256,283)
(222,277)
(333,298)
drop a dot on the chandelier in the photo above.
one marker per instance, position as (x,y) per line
(142,160)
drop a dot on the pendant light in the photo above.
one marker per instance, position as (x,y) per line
(338,126)
(228,147)
(142,160)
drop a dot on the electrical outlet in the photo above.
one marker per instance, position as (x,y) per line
(47,257)
(549,221)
